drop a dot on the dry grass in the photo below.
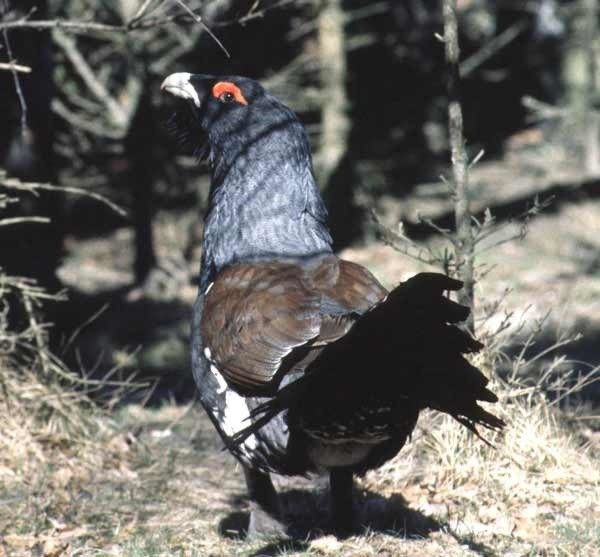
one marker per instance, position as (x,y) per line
(534,493)
(50,431)
(154,482)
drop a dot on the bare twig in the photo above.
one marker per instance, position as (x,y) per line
(492,47)
(198,19)
(141,12)
(490,227)
(68,25)
(78,330)
(39,335)
(258,14)
(17,81)
(139,24)
(117,115)
(402,243)
(15,184)
(542,110)
(20,220)
(87,125)
(442,231)
(13,67)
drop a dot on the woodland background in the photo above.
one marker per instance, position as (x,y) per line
(102,450)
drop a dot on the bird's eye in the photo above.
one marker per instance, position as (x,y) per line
(226,97)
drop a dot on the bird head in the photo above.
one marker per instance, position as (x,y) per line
(219,103)
(236,112)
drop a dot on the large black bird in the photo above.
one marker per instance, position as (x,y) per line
(303,361)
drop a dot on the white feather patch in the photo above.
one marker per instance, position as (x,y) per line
(235,414)
(237,418)
(220,379)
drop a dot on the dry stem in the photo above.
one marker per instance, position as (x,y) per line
(465,247)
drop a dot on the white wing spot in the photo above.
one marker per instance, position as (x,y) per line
(207,353)
(208,288)
(235,413)
(220,380)
(237,417)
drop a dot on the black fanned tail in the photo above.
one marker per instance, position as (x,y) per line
(405,352)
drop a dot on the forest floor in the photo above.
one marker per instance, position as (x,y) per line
(155,481)
(160,484)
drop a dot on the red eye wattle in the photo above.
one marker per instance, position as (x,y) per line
(227,92)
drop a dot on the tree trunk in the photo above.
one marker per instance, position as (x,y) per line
(465,242)
(335,126)
(141,180)
(591,117)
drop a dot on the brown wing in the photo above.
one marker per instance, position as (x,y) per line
(344,296)
(262,319)
(253,316)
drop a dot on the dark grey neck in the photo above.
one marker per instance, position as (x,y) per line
(264,204)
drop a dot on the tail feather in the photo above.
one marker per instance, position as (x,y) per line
(462,341)
(483,418)
(285,398)
(407,350)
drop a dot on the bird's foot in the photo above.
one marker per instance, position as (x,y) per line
(264,525)
(342,504)
(342,526)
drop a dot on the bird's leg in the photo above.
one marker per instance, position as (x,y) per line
(341,486)
(265,511)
